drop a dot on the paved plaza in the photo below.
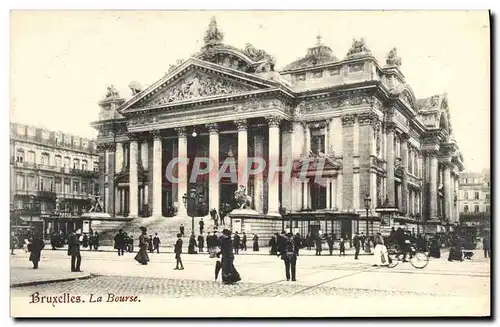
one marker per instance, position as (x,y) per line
(326,286)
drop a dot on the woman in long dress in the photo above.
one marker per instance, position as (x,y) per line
(380,252)
(255,242)
(192,245)
(142,255)
(229,273)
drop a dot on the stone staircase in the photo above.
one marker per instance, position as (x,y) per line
(166,227)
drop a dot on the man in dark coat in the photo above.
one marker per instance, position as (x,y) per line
(178,253)
(229,273)
(297,242)
(35,247)
(201,242)
(244,241)
(236,243)
(120,242)
(192,245)
(156,243)
(357,245)
(329,240)
(487,247)
(202,226)
(319,246)
(181,230)
(289,256)
(150,243)
(74,251)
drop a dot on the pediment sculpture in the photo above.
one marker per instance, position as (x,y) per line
(198,86)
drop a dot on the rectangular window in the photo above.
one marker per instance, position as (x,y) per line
(476,208)
(57,160)
(31,156)
(476,196)
(66,162)
(58,187)
(20,156)
(84,188)
(76,187)
(45,159)
(318,144)
(20,182)
(31,183)
(84,164)
(466,195)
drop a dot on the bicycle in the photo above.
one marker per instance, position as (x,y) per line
(418,259)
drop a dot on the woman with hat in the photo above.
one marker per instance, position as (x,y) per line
(229,273)
(380,252)
(142,256)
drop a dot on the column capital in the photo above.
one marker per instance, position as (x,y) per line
(432,153)
(288,127)
(273,121)
(348,120)
(156,134)
(446,164)
(133,136)
(213,128)
(181,131)
(242,124)
(389,126)
(404,137)
(367,118)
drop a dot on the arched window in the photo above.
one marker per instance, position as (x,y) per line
(58,160)
(76,164)
(20,155)
(45,159)
(466,208)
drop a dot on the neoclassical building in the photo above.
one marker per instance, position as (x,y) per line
(355,113)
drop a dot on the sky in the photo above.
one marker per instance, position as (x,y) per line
(62,61)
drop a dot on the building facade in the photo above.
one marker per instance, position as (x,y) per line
(52,176)
(354,119)
(475,199)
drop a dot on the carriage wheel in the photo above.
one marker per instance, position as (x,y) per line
(420,260)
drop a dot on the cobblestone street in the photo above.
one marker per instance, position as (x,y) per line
(325,285)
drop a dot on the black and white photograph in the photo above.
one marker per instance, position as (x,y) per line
(249,163)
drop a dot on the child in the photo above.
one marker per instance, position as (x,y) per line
(342,247)
(178,252)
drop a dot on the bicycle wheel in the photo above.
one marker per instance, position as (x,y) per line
(420,260)
(393,261)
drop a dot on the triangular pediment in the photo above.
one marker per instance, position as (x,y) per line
(196,80)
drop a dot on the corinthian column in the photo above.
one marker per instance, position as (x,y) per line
(258,178)
(404,181)
(119,163)
(447,190)
(157,175)
(133,177)
(213,183)
(182,172)
(242,152)
(433,184)
(274,153)
(390,164)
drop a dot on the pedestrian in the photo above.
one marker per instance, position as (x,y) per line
(202,225)
(309,241)
(13,242)
(192,244)
(273,248)
(156,243)
(142,255)
(222,216)
(298,243)
(342,247)
(486,246)
(362,240)
(85,241)
(244,242)
(357,245)
(96,241)
(201,242)
(255,242)
(329,240)
(181,229)
(236,242)
(74,251)
(229,273)
(178,252)
(120,242)
(289,257)
(35,247)
(319,246)
(150,244)
(380,255)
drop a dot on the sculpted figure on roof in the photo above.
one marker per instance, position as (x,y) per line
(358,47)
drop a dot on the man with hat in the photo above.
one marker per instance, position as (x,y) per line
(357,244)
(74,250)
(289,256)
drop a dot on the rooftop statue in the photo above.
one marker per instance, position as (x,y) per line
(392,58)
(358,47)
(112,92)
(135,87)
(257,54)
(213,35)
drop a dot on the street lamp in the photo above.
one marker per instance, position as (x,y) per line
(189,203)
(32,200)
(368,201)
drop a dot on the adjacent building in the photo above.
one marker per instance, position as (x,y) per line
(53,174)
(475,199)
(384,148)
